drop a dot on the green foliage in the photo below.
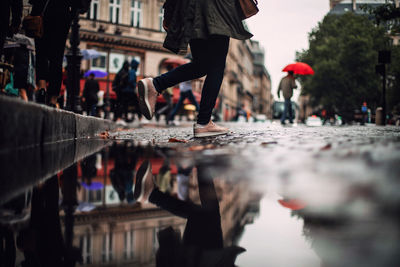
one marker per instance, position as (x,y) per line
(343,52)
(387,14)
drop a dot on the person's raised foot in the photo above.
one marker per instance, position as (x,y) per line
(144,183)
(147,97)
(283,123)
(210,129)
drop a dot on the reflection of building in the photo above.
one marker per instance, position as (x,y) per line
(115,233)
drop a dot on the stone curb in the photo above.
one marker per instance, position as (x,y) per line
(27,124)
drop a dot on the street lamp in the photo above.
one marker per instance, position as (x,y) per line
(74,58)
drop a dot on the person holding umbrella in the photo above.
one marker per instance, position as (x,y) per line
(287,84)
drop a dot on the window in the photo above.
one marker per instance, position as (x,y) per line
(129,239)
(94,10)
(136,13)
(99,63)
(85,244)
(115,11)
(160,19)
(107,251)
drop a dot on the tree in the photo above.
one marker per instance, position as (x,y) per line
(388,15)
(343,50)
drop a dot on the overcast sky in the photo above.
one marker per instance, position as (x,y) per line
(282,27)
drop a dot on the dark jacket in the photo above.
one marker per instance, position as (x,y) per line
(90,91)
(121,81)
(132,77)
(198,19)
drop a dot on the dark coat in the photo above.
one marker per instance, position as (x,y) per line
(90,91)
(121,80)
(198,19)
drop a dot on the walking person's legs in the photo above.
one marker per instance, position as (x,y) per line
(217,48)
(150,88)
(42,68)
(290,110)
(285,110)
(4,22)
(58,29)
(178,106)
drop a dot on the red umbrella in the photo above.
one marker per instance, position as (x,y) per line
(299,68)
(175,61)
(293,204)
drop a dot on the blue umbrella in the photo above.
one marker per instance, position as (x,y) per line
(97,73)
(93,185)
(90,54)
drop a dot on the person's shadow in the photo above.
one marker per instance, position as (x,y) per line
(202,242)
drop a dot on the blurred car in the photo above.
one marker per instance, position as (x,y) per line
(313,121)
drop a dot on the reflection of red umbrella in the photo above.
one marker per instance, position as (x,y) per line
(293,204)
(299,68)
(175,61)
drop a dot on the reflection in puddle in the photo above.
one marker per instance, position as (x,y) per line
(143,206)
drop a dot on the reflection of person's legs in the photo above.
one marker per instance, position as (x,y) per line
(203,228)
(192,99)
(175,206)
(217,50)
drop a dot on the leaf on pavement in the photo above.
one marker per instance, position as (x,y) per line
(174,140)
(200,148)
(104,135)
(269,143)
(327,147)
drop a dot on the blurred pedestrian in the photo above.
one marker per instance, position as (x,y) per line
(185,92)
(90,95)
(57,17)
(364,113)
(121,85)
(287,84)
(168,96)
(9,8)
(130,96)
(206,26)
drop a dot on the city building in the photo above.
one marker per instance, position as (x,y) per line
(340,7)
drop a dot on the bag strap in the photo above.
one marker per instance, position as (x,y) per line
(45,7)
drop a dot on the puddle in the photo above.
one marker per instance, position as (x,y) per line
(121,204)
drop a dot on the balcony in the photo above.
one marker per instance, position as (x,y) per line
(121,29)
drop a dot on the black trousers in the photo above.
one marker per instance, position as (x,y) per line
(209,58)
(50,49)
(203,227)
(4,22)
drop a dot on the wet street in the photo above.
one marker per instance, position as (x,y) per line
(264,195)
